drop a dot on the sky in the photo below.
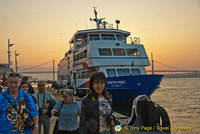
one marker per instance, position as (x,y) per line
(41,29)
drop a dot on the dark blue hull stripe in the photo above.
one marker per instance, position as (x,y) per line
(125,87)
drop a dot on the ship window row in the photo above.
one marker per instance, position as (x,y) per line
(80,56)
(118,52)
(110,73)
(84,74)
(122,72)
(94,37)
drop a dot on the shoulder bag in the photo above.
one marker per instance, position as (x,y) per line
(55,130)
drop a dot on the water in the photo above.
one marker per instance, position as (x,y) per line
(181,99)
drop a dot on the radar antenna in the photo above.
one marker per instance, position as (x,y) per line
(98,21)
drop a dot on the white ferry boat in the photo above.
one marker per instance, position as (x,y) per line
(112,51)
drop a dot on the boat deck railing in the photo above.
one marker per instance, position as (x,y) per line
(127,40)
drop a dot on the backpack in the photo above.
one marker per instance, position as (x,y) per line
(148,116)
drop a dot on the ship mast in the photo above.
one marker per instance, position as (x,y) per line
(98,21)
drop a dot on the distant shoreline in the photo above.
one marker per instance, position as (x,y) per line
(184,75)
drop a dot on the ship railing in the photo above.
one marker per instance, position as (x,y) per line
(81,44)
(84,42)
(127,40)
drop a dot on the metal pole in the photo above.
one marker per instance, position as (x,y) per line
(53,71)
(152,62)
(9,45)
(8,56)
(15,61)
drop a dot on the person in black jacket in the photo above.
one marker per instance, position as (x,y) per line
(96,108)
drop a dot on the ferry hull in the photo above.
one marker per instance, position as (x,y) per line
(125,88)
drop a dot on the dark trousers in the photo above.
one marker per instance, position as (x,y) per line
(45,121)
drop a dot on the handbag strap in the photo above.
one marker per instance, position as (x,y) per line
(61,105)
(14,106)
(43,99)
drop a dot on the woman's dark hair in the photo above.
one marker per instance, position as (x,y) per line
(22,83)
(99,76)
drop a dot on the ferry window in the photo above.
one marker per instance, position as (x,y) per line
(108,37)
(119,52)
(123,72)
(120,37)
(111,72)
(132,52)
(105,52)
(136,72)
(83,75)
(85,54)
(78,40)
(78,75)
(81,55)
(94,37)
(74,58)
(78,56)
(87,74)
(91,72)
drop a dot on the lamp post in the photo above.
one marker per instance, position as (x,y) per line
(16,54)
(9,45)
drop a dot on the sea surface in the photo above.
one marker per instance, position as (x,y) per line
(181,99)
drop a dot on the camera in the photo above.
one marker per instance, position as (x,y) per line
(56,114)
(111,118)
(40,111)
(28,123)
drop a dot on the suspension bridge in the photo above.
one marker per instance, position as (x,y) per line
(53,69)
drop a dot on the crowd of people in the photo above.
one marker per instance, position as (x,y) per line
(22,110)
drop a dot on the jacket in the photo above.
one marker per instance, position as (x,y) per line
(89,118)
